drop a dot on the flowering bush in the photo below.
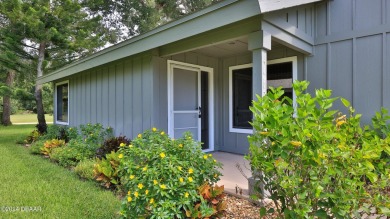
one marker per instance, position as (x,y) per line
(162,175)
(314,161)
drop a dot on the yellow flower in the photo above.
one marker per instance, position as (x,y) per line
(181,180)
(215,160)
(163,186)
(205,156)
(155,182)
(190,179)
(140,186)
(273,143)
(190,171)
(154,129)
(129,199)
(151,201)
(339,123)
(132,176)
(296,143)
(186,194)
(136,194)
(144,169)
(162,133)
(146,192)
(128,193)
(139,136)
(162,154)
(130,146)
(180,168)
(180,145)
(122,144)
(210,155)
(120,156)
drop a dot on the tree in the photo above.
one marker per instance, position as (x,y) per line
(136,17)
(6,118)
(52,27)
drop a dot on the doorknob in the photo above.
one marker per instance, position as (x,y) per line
(200,112)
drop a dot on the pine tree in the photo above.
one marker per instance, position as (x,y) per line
(50,27)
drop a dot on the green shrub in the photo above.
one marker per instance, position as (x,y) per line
(64,156)
(60,132)
(95,134)
(106,169)
(75,151)
(36,146)
(82,145)
(315,162)
(85,169)
(111,144)
(162,176)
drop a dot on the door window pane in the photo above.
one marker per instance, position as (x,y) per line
(242,98)
(62,103)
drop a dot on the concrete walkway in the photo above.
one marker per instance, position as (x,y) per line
(235,172)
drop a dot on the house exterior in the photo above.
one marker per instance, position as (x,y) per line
(200,73)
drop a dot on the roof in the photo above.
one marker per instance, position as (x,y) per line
(207,19)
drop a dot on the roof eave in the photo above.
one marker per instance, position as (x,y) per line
(274,5)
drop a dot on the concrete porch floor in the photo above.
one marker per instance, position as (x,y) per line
(233,176)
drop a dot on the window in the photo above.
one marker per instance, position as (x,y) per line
(280,72)
(62,103)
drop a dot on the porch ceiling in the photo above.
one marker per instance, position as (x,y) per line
(229,48)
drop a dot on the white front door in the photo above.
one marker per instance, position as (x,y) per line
(189,91)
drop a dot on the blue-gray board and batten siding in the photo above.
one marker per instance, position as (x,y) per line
(352,53)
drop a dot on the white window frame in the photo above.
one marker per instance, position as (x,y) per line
(231,69)
(55,103)
(292,59)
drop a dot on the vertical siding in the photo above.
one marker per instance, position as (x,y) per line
(128,98)
(341,16)
(340,59)
(368,13)
(368,75)
(351,53)
(94,90)
(296,20)
(119,99)
(119,95)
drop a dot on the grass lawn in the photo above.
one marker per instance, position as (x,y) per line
(31,181)
(29,118)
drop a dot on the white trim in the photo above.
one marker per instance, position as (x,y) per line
(292,59)
(55,103)
(231,129)
(175,64)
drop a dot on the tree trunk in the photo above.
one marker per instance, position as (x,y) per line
(38,90)
(6,120)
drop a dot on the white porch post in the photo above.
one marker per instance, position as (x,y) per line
(259,43)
